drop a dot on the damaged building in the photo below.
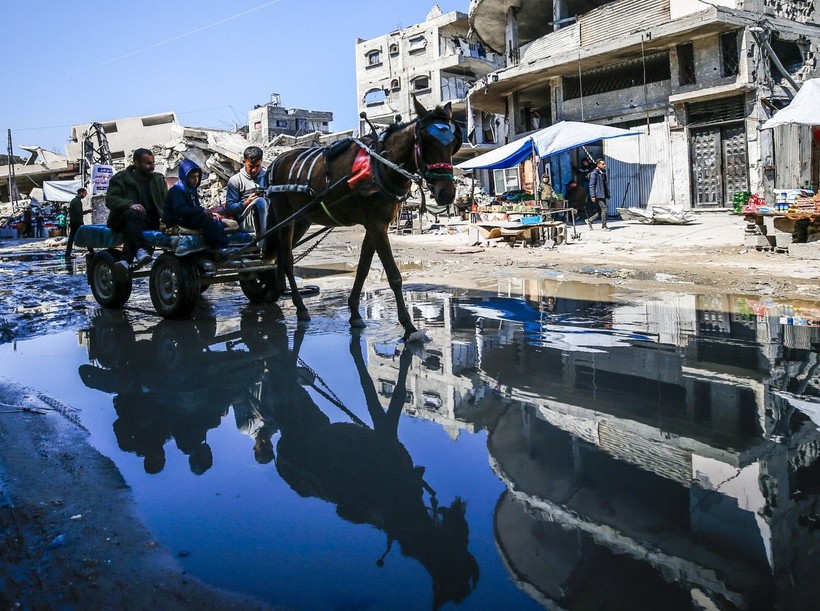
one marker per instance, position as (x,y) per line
(697,80)
(266,121)
(435,62)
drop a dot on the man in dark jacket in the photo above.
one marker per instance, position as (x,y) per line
(135,197)
(576,197)
(75,219)
(183,208)
(599,192)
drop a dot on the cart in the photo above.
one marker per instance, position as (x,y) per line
(184,269)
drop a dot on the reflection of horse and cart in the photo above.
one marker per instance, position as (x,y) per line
(158,376)
(351,182)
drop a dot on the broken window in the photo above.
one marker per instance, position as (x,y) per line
(394,49)
(395,84)
(374,97)
(418,44)
(421,83)
(157,120)
(618,76)
(686,64)
(374,58)
(257,125)
(729,54)
(789,54)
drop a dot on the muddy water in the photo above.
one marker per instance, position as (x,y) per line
(554,444)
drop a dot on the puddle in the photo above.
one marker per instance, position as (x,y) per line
(551,443)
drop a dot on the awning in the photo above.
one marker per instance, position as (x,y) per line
(558,138)
(61,190)
(804,109)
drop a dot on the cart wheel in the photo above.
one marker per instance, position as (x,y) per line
(176,345)
(174,286)
(257,285)
(106,288)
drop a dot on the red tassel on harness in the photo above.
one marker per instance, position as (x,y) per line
(361,178)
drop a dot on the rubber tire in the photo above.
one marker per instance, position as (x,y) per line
(174,286)
(258,285)
(107,290)
(177,346)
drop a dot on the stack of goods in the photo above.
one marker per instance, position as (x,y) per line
(740,199)
(803,203)
(756,205)
(786,199)
(817,203)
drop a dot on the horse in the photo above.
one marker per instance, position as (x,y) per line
(366,190)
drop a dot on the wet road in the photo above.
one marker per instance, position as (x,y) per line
(554,444)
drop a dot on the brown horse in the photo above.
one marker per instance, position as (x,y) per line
(424,146)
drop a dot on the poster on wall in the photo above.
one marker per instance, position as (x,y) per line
(100,175)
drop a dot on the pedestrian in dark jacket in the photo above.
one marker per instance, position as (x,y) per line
(75,219)
(183,208)
(599,192)
(135,197)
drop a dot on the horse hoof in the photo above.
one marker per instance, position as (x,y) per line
(357,323)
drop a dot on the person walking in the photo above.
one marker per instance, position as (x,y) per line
(599,193)
(39,224)
(75,219)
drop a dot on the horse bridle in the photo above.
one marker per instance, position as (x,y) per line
(443,129)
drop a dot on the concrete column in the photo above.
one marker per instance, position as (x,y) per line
(511,37)
(512,115)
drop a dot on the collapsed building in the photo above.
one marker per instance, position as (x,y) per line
(696,79)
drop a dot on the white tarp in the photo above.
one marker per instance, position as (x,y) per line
(558,138)
(61,190)
(804,109)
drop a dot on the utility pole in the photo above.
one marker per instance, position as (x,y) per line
(14,196)
(95,151)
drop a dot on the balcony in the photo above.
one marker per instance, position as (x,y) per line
(615,32)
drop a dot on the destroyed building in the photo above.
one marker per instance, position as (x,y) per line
(435,62)
(30,174)
(266,121)
(697,79)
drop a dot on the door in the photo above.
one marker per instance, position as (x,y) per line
(706,162)
(735,163)
(720,166)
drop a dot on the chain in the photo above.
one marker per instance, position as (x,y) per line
(312,248)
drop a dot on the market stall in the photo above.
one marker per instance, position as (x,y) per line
(793,218)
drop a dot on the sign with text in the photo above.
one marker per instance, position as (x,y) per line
(100,175)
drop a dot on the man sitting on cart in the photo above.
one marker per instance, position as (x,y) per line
(135,197)
(183,208)
(245,201)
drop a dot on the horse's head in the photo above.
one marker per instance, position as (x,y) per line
(437,140)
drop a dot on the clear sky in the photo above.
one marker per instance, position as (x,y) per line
(67,63)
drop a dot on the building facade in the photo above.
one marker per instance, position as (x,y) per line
(434,62)
(696,79)
(268,120)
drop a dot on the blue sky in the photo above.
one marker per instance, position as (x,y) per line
(77,62)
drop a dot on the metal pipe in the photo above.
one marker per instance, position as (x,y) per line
(764,43)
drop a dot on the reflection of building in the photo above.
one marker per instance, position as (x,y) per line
(697,79)
(432,61)
(658,443)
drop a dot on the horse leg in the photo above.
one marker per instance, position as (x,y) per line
(365,259)
(378,235)
(286,267)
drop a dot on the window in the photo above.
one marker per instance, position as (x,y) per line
(418,44)
(506,180)
(729,54)
(374,58)
(421,83)
(281,123)
(394,49)
(621,75)
(395,84)
(157,120)
(375,97)
(686,64)
(257,124)
(109,128)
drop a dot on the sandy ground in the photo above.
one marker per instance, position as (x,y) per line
(69,535)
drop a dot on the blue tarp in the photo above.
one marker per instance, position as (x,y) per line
(558,138)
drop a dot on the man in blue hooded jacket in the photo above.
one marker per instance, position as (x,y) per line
(183,208)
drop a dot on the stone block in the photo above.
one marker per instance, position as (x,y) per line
(782,240)
(756,241)
(810,250)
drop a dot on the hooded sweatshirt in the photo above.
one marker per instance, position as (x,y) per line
(182,201)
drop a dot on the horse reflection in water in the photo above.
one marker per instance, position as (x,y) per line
(172,385)
(369,475)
